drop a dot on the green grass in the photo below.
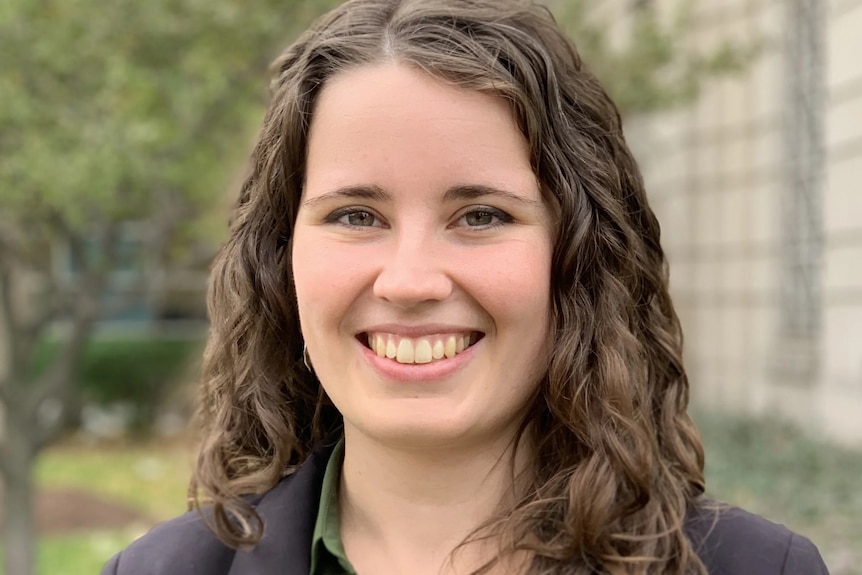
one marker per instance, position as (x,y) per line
(766,467)
(80,554)
(149,477)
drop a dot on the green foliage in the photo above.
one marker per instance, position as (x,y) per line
(130,110)
(653,66)
(140,373)
(779,462)
(773,469)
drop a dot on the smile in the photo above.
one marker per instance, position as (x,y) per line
(420,350)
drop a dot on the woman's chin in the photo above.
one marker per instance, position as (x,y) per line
(416,433)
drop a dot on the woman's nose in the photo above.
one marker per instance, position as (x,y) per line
(414,272)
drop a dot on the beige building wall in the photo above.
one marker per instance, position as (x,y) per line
(716,173)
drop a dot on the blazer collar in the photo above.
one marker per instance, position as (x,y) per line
(288,511)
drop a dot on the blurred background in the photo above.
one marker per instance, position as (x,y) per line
(124,132)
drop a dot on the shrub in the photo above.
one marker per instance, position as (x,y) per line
(140,372)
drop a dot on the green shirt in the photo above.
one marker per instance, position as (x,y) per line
(327,550)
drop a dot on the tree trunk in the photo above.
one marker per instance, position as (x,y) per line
(25,435)
(19,526)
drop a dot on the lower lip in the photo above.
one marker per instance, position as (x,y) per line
(418,372)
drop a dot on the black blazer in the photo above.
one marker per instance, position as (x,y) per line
(737,543)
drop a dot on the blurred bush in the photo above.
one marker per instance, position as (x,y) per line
(139,373)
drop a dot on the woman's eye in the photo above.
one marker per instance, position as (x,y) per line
(354,218)
(359,219)
(479,218)
(485,218)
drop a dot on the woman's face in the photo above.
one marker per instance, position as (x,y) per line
(422,259)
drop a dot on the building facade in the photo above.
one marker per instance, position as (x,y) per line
(757,187)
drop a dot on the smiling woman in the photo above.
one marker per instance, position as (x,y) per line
(442,340)
(436,236)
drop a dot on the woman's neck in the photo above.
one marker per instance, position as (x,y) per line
(406,509)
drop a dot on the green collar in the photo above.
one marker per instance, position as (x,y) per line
(327,550)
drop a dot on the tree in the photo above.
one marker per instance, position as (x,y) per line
(112,113)
(651,65)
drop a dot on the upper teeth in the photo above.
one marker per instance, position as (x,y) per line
(418,350)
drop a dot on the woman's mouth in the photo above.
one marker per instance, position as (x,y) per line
(421,350)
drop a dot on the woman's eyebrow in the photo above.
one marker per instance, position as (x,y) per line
(374,193)
(477,191)
(455,193)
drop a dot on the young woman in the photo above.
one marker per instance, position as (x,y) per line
(442,341)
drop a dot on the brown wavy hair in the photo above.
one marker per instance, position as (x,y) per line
(617,461)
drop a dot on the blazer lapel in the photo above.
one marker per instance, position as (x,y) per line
(288,511)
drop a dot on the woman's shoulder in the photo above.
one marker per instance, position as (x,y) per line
(182,545)
(730,540)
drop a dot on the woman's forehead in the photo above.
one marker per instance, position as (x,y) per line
(395,121)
